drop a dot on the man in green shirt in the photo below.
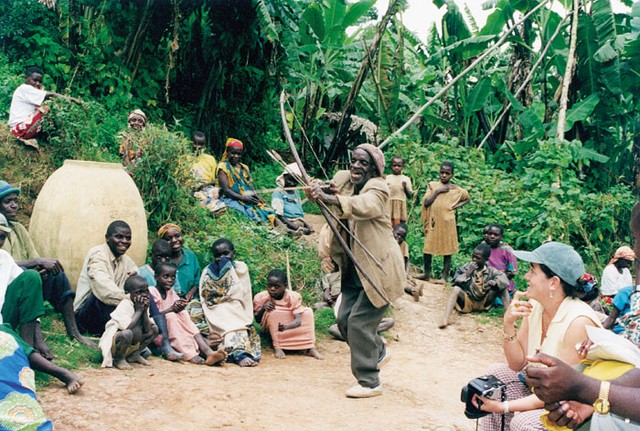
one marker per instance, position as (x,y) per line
(55,285)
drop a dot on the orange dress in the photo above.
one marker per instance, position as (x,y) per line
(300,338)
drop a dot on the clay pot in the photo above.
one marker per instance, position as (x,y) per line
(75,206)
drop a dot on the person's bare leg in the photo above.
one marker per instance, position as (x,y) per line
(41,345)
(456,294)
(147,338)
(446,268)
(123,342)
(427,258)
(314,353)
(69,319)
(31,333)
(506,299)
(72,381)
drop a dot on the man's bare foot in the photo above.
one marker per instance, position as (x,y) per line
(444,323)
(121,364)
(216,358)
(314,353)
(248,362)
(197,360)
(278,353)
(423,277)
(84,340)
(138,359)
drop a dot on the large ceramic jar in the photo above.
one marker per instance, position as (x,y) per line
(75,206)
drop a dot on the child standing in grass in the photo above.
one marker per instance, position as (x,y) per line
(281,313)
(183,333)
(439,220)
(399,190)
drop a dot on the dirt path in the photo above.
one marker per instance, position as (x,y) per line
(421,385)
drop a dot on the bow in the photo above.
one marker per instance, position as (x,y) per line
(326,213)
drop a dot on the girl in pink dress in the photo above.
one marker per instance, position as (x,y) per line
(184,336)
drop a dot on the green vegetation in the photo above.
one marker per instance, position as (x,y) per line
(220,66)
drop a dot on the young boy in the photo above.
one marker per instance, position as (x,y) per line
(476,286)
(281,314)
(438,216)
(400,233)
(130,330)
(502,257)
(26,111)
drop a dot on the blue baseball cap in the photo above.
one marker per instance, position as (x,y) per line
(560,258)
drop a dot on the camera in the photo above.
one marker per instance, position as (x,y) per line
(486,386)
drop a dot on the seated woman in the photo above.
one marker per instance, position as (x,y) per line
(554,321)
(185,261)
(226,297)
(282,315)
(234,179)
(130,148)
(203,172)
(616,274)
(19,407)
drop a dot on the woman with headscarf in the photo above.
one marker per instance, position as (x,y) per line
(616,274)
(234,179)
(185,260)
(360,198)
(129,150)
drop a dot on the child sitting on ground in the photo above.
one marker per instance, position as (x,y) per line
(160,252)
(287,203)
(399,191)
(476,286)
(183,333)
(130,330)
(400,234)
(281,314)
(502,256)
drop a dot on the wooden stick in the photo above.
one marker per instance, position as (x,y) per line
(323,208)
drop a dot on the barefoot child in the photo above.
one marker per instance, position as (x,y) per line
(281,313)
(287,203)
(399,190)
(502,256)
(400,233)
(225,294)
(439,220)
(130,330)
(476,286)
(183,333)
(160,252)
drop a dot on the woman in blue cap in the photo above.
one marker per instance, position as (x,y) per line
(553,318)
